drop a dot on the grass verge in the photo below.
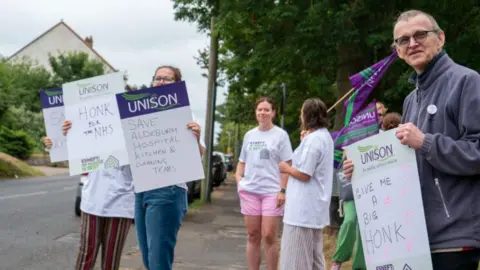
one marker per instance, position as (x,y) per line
(11,167)
(195,206)
(329,244)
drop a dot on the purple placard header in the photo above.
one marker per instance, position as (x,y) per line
(51,98)
(152,100)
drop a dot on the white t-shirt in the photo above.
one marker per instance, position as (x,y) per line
(308,203)
(261,152)
(109,193)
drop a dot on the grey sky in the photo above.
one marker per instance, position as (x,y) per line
(136,36)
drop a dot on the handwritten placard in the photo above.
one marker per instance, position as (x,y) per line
(95,141)
(389,204)
(161,150)
(53,116)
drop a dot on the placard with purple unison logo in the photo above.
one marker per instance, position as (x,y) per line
(53,116)
(162,151)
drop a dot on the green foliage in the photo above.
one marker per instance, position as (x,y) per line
(314,46)
(228,138)
(16,143)
(19,118)
(20,84)
(74,66)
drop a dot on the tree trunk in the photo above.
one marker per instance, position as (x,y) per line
(210,119)
(351,61)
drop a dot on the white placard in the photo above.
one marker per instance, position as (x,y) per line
(389,204)
(162,150)
(95,141)
(53,116)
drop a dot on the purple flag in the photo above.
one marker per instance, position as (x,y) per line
(364,82)
(363,125)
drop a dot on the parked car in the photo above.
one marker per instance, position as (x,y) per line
(224,158)
(194,190)
(219,169)
(229,159)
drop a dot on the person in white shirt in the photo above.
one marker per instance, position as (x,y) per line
(261,187)
(107,211)
(309,192)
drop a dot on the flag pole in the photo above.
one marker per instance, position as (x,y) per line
(341,99)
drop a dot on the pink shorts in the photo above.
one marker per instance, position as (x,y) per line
(252,204)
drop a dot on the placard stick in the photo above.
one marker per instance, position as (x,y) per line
(341,99)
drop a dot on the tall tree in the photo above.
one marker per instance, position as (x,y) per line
(314,46)
(20,84)
(74,66)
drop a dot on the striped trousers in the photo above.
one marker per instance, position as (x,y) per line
(109,233)
(302,249)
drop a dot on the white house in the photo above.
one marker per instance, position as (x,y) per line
(59,39)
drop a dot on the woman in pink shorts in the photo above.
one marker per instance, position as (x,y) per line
(261,186)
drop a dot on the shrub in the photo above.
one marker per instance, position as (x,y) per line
(19,118)
(16,143)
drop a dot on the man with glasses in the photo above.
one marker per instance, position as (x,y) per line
(441,122)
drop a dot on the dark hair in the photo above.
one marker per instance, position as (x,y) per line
(268,100)
(177,75)
(315,114)
(391,121)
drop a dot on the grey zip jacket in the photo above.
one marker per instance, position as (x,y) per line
(446,107)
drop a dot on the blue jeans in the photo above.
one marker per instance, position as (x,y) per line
(158,216)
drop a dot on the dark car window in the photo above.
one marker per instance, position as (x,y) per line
(216,158)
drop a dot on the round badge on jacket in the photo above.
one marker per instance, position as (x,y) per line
(432,109)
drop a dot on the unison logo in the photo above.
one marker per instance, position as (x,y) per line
(54,97)
(367,115)
(372,153)
(148,101)
(89,88)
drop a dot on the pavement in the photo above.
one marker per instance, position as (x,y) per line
(212,236)
(37,223)
(38,226)
(39,230)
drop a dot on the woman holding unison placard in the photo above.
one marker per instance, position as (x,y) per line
(159,213)
(109,203)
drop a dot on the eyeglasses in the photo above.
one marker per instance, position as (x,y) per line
(165,79)
(419,36)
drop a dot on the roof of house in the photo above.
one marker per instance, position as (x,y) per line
(74,33)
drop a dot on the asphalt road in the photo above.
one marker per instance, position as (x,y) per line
(38,226)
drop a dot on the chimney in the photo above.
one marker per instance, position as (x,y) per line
(89,41)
